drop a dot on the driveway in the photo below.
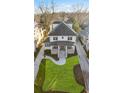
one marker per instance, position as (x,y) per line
(83,63)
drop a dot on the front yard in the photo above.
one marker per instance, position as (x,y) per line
(57,78)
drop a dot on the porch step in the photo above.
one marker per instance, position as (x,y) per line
(62,54)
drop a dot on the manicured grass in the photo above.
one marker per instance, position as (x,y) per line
(61,78)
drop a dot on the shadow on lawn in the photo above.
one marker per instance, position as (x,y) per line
(79,76)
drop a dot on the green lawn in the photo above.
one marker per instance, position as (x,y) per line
(60,78)
(40,78)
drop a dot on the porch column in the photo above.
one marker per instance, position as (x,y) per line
(74,48)
(58,50)
(66,51)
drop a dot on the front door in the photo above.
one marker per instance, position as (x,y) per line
(62,52)
(62,48)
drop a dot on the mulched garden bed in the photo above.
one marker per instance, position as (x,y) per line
(79,76)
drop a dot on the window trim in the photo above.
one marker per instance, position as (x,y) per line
(55,38)
(47,44)
(69,47)
(70,38)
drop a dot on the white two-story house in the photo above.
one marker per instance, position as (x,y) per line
(61,39)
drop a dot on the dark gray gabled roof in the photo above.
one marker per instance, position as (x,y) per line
(62,30)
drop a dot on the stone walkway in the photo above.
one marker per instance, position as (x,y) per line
(61,61)
(62,54)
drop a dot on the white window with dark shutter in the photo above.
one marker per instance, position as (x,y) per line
(55,38)
(69,38)
(47,45)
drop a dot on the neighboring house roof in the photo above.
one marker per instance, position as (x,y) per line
(56,22)
(62,29)
(69,21)
(85,32)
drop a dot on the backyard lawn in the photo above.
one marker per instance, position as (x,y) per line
(60,78)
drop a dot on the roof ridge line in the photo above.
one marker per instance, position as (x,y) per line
(70,28)
(54,28)
(66,27)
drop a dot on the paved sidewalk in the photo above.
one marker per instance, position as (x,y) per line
(37,61)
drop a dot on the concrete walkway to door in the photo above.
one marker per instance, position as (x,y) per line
(62,54)
(61,61)
(62,58)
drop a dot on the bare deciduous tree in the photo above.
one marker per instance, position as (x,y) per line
(80,12)
(47,14)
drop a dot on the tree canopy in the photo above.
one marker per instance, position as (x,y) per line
(76,25)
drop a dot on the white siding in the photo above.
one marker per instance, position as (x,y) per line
(65,38)
(71,51)
(54,51)
(48,47)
